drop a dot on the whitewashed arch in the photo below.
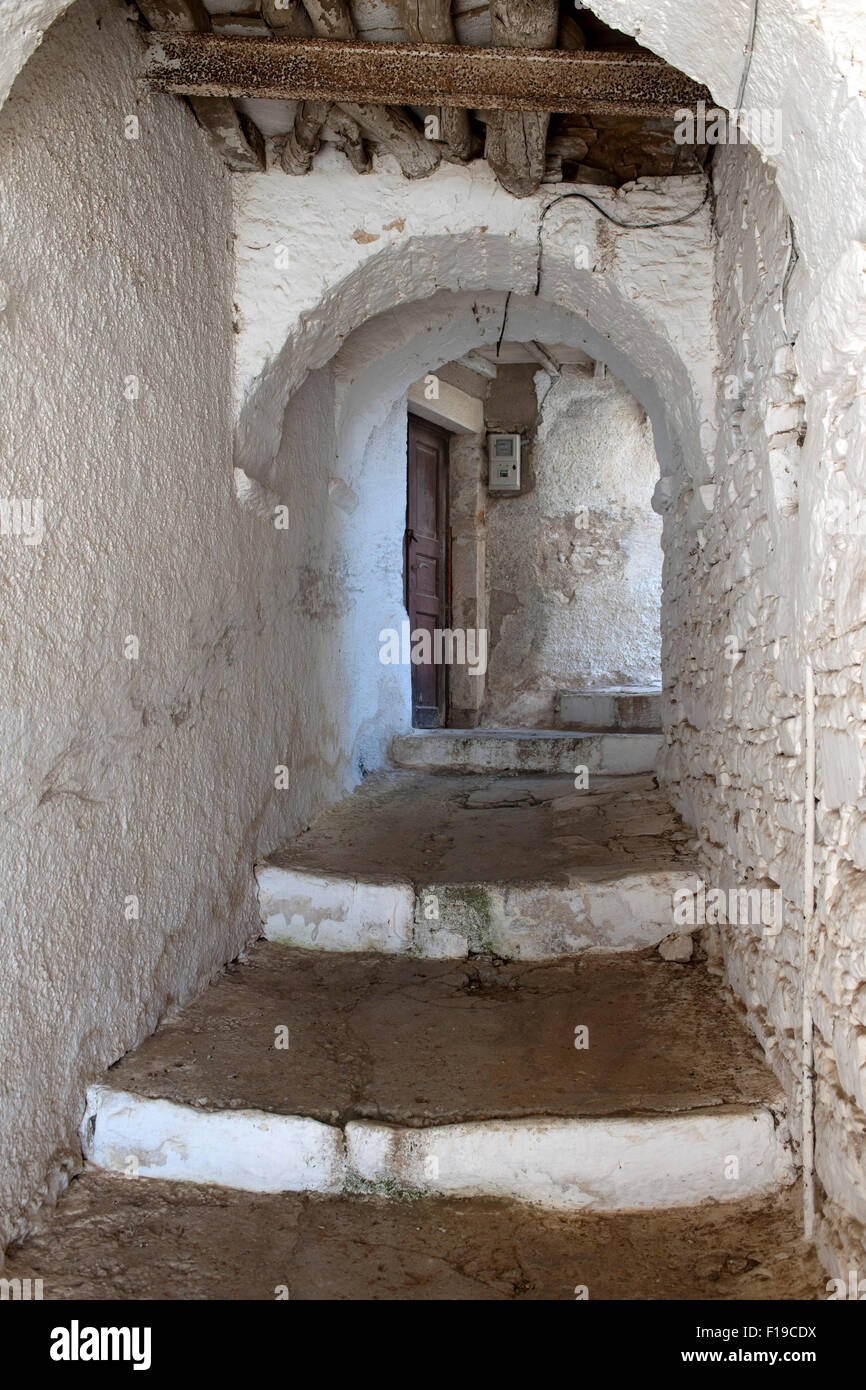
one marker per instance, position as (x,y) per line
(641,300)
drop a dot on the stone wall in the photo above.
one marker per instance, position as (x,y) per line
(566,573)
(764,578)
(574,561)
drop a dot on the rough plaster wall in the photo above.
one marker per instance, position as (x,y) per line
(23,24)
(115,255)
(341,583)
(573,607)
(467,510)
(152,777)
(769,556)
(371,541)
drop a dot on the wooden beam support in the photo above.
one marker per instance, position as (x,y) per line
(349,139)
(544,359)
(290,20)
(419,75)
(303,140)
(237,140)
(289,16)
(476,363)
(392,129)
(516,141)
(180,16)
(331,19)
(389,127)
(430,21)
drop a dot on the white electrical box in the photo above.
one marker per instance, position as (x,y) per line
(504,456)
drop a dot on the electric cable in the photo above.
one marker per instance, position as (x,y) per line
(793,257)
(747,64)
(629,226)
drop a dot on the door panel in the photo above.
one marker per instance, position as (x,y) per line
(426,560)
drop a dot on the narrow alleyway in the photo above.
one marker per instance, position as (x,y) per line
(433,695)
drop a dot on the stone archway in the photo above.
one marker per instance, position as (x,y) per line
(644,295)
(371,375)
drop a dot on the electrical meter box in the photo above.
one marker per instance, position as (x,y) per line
(504,456)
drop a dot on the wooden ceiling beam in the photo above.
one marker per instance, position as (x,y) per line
(476,363)
(516,141)
(236,139)
(431,21)
(384,124)
(453,75)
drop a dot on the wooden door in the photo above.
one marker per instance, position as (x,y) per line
(426,561)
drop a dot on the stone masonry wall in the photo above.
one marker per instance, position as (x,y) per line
(764,573)
(568,571)
(574,560)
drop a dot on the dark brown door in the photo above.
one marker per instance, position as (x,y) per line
(426,561)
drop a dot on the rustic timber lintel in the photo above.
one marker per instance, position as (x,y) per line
(418,74)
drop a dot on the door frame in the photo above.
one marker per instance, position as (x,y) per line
(443,682)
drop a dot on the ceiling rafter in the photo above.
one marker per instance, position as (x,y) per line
(238,141)
(637,84)
(545,104)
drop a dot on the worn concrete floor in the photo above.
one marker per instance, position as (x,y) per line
(447,828)
(430,1042)
(135,1238)
(421,1042)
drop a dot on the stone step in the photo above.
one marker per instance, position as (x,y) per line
(524,751)
(303,1071)
(449,866)
(184,1241)
(622,709)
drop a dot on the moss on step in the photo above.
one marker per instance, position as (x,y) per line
(469,911)
(357,1186)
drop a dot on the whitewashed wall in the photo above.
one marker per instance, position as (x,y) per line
(574,562)
(155,777)
(318,257)
(775,570)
